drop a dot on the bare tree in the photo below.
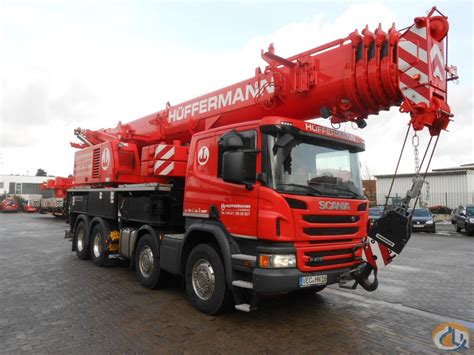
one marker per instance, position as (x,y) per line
(367,173)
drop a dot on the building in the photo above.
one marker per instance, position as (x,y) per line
(449,187)
(28,187)
(370,191)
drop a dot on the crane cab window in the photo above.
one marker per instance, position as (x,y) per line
(250,142)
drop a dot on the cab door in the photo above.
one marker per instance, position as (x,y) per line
(236,205)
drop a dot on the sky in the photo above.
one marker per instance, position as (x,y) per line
(90,64)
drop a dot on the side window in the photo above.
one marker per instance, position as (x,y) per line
(250,142)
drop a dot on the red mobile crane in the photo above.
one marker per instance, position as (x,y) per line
(240,194)
(54,195)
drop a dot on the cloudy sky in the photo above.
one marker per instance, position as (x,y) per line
(90,64)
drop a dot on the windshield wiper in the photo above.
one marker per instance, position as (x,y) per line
(306,187)
(330,186)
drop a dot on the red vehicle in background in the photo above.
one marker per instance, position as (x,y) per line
(31,206)
(9,205)
(54,193)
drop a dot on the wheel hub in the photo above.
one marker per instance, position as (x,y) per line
(80,240)
(97,245)
(203,279)
(146,261)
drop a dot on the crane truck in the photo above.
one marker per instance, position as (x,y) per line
(241,194)
(54,197)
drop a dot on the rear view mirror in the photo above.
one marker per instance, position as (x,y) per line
(239,167)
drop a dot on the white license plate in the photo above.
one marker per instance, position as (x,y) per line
(418,225)
(312,280)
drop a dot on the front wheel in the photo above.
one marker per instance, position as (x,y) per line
(205,279)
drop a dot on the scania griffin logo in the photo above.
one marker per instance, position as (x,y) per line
(334,205)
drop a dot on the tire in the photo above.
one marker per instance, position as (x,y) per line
(147,263)
(98,249)
(309,291)
(80,241)
(205,280)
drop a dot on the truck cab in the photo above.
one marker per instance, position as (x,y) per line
(286,194)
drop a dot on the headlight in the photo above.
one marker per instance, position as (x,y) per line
(429,222)
(471,220)
(277,260)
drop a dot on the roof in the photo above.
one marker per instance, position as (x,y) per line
(433,173)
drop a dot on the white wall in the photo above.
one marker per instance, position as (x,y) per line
(7,179)
(445,190)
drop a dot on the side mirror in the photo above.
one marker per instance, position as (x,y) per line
(239,167)
(232,141)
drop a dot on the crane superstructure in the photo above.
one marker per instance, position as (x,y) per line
(240,193)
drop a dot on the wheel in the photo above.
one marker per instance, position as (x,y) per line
(97,245)
(82,251)
(147,263)
(205,279)
(458,229)
(309,290)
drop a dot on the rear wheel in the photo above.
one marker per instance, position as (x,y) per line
(147,263)
(97,245)
(205,279)
(82,251)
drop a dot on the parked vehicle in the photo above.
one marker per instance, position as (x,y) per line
(455,214)
(422,220)
(465,220)
(374,214)
(9,205)
(31,206)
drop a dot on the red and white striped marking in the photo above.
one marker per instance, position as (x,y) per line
(413,61)
(163,167)
(437,62)
(164,151)
(377,254)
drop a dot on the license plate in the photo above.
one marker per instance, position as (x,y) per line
(418,225)
(312,280)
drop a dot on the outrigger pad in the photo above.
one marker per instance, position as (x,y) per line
(392,230)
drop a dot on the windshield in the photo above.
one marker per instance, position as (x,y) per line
(306,166)
(470,211)
(421,213)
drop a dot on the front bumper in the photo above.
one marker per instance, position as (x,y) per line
(286,280)
(423,227)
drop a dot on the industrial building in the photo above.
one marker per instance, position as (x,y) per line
(28,187)
(449,187)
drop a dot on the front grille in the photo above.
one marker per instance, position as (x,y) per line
(330,219)
(330,231)
(330,242)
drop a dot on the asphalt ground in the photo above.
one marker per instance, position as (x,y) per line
(52,302)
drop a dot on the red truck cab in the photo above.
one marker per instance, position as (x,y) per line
(289,193)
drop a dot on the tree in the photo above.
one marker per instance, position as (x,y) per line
(41,172)
(367,173)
